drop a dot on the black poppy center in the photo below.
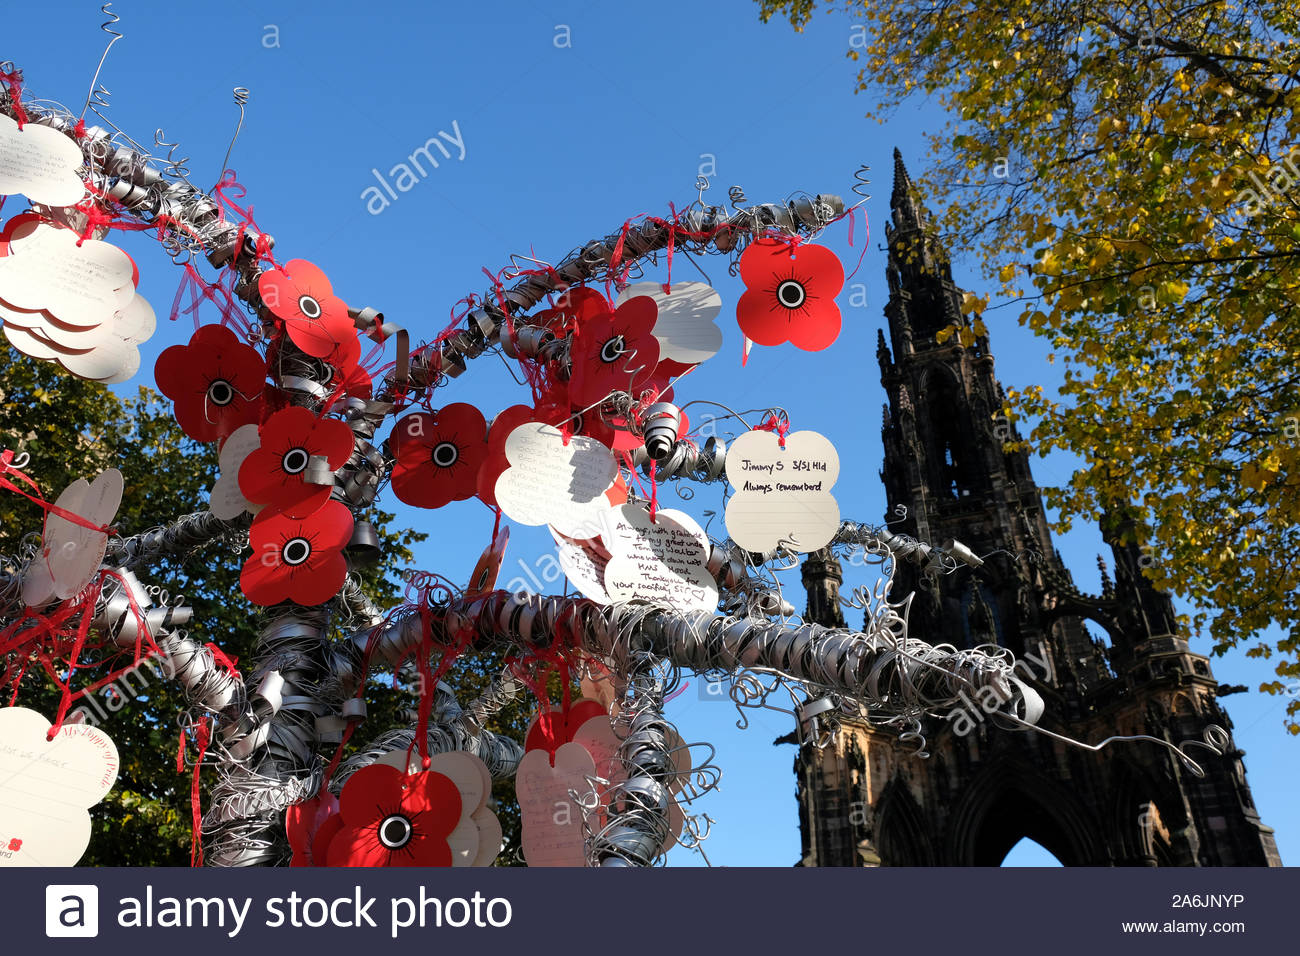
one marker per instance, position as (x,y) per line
(220,392)
(445,454)
(612,349)
(296,551)
(309,307)
(295,460)
(791,294)
(395,831)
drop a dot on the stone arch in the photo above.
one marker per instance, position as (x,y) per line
(1147,820)
(1009,800)
(902,836)
(956,470)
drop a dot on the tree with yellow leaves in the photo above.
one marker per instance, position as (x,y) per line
(1130,173)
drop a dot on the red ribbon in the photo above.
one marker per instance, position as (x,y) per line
(774,424)
(7,468)
(14,81)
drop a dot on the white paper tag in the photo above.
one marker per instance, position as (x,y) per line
(685,327)
(552,822)
(46,787)
(583,566)
(40,163)
(782,495)
(549,482)
(664,560)
(226,501)
(80,286)
(70,554)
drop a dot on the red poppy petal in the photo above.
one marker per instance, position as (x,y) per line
(463,418)
(414,485)
(346,352)
(357,847)
(435,799)
(312,336)
(822,271)
(296,821)
(584,304)
(287,426)
(762,320)
(171,372)
(309,277)
(761,261)
(318,580)
(818,331)
(370,793)
(333,439)
(492,468)
(637,315)
(422,852)
(260,477)
(320,844)
(278,293)
(261,580)
(411,435)
(507,421)
(330,528)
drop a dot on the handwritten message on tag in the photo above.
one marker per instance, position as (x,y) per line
(40,163)
(78,285)
(662,560)
(549,482)
(46,787)
(226,501)
(584,566)
(783,495)
(552,822)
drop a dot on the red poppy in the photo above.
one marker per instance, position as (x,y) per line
(790,295)
(275,474)
(574,307)
(495,462)
(438,456)
(310,826)
(614,353)
(215,382)
(392,819)
(297,559)
(315,318)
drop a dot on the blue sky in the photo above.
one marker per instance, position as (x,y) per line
(574,117)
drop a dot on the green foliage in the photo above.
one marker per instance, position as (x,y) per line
(1149,156)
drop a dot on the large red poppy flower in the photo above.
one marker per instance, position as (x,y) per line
(790,295)
(315,318)
(310,826)
(215,382)
(297,559)
(438,456)
(614,353)
(495,461)
(392,819)
(275,474)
